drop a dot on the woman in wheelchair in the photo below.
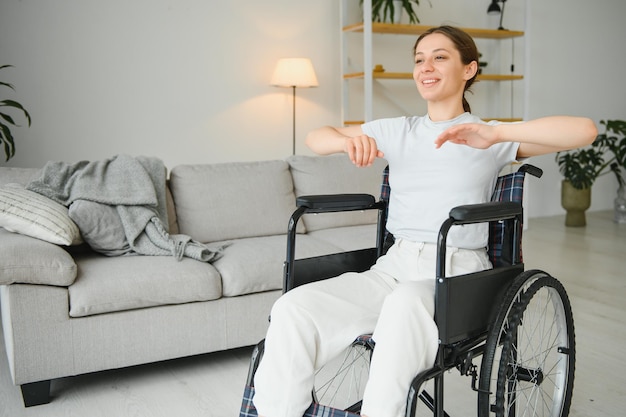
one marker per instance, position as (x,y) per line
(446,158)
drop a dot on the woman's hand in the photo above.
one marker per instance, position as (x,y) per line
(362,150)
(476,135)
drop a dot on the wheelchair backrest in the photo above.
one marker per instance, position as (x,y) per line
(509,187)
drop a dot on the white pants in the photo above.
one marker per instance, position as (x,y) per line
(394,300)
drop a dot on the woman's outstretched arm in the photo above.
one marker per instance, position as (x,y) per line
(361,148)
(536,137)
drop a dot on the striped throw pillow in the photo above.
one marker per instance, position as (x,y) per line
(28,213)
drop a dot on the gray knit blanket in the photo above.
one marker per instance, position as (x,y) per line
(135,187)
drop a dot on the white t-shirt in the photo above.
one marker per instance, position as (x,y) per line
(426,183)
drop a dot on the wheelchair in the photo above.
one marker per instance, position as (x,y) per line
(518,323)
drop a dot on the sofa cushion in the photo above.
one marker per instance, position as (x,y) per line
(256,264)
(121,283)
(348,238)
(233,200)
(335,174)
(33,261)
(26,212)
(22,176)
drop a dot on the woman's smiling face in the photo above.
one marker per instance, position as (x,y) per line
(439,73)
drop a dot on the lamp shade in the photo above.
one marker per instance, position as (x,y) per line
(494,8)
(294,72)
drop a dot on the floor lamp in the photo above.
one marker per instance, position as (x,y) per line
(294,72)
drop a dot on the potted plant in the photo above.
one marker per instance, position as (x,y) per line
(580,169)
(6,121)
(390,10)
(614,140)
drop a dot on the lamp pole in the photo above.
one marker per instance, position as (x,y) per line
(294,72)
(294,120)
(502,15)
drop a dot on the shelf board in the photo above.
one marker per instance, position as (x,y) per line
(501,119)
(500,77)
(382,75)
(403,29)
(409,76)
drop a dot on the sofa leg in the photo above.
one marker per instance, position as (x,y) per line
(36,393)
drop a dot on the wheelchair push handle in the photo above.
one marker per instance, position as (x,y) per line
(532,170)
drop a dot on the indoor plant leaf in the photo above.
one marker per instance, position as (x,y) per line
(382,10)
(6,136)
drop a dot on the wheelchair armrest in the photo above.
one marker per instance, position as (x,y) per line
(329,203)
(485,212)
(335,202)
(478,213)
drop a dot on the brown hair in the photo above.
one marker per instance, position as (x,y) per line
(464,44)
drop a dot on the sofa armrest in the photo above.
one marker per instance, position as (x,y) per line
(32,261)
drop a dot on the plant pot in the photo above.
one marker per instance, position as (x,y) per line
(620,205)
(575,202)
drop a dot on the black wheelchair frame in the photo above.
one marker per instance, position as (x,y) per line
(470,326)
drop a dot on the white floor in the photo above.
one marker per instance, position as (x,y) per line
(590,261)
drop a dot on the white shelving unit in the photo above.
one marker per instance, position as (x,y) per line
(369,76)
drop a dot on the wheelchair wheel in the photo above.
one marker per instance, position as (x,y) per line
(341,382)
(528,363)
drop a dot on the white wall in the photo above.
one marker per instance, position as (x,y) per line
(577,63)
(185,80)
(188,80)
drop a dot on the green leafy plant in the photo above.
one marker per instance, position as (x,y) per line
(384,9)
(6,121)
(614,140)
(581,167)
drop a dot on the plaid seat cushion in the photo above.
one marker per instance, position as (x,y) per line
(315,410)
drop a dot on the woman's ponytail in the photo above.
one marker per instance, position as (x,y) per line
(466,105)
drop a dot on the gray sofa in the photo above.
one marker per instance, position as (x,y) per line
(67,310)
